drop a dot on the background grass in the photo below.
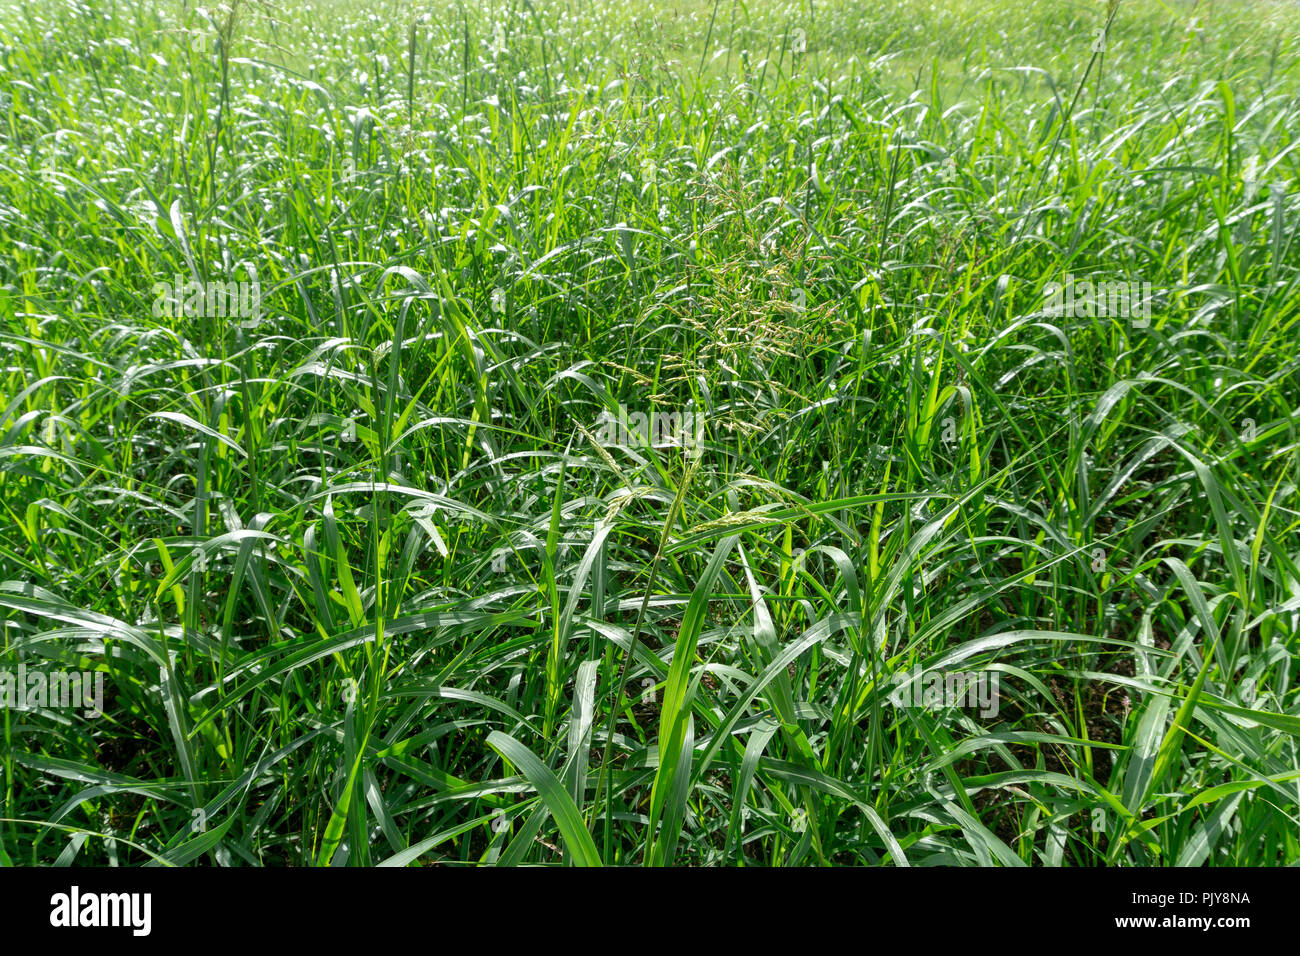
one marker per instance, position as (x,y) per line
(367,587)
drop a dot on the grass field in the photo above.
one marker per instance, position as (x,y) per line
(650,433)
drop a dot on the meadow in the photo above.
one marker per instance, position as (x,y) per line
(695,433)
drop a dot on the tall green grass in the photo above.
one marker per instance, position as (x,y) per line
(367,580)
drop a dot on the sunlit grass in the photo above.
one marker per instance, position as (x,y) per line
(370,577)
